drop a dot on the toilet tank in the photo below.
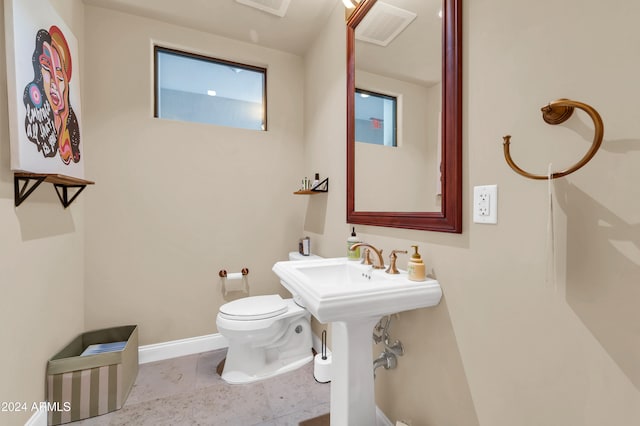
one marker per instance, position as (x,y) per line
(294,255)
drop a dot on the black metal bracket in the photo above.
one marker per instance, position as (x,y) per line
(64,195)
(322,186)
(20,193)
(62,183)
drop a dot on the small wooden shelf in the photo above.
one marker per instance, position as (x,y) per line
(62,183)
(323,186)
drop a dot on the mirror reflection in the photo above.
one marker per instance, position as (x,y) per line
(398,103)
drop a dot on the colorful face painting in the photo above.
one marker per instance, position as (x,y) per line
(50,122)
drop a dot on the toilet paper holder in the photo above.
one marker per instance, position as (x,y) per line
(223,272)
(323,345)
(234,276)
(322,363)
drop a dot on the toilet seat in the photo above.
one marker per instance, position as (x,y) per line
(254,308)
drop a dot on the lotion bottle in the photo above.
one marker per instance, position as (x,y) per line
(353,239)
(415,267)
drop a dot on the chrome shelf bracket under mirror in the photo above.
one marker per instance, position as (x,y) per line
(372,185)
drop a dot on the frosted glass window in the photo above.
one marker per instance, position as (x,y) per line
(375,118)
(195,88)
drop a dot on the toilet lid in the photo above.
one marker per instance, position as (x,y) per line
(254,308)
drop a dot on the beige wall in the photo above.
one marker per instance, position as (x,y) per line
(505,347)
(41,263)
(176,202)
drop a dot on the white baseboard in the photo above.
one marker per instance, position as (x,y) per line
(39,418)
(182,347)
(194,345)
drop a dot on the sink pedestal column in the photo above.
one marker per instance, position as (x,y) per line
(352,389)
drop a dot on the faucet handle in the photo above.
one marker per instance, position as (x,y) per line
(366,257)
(392,264)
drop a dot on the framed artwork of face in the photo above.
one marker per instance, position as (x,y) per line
(44,90)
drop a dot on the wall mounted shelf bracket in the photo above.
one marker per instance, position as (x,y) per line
(25,183)
(323,186)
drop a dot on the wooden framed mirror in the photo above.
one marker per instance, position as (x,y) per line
(413,180)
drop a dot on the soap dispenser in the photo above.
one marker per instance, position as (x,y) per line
(353,239)
(415,267)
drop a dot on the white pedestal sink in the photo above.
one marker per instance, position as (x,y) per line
(353,297)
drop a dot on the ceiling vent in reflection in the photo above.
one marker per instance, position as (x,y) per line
(275,7)
(383,23)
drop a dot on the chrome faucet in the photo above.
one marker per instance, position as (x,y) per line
(380,263)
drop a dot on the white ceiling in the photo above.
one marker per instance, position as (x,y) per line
(292,33)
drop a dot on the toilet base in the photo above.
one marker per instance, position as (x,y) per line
(236,377)
(248,362)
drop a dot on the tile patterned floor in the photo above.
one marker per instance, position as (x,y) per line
(188,391)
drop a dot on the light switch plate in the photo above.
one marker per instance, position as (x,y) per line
(485,204)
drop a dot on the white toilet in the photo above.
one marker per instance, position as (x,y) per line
(267,335)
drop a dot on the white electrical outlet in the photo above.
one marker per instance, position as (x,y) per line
(485,204)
